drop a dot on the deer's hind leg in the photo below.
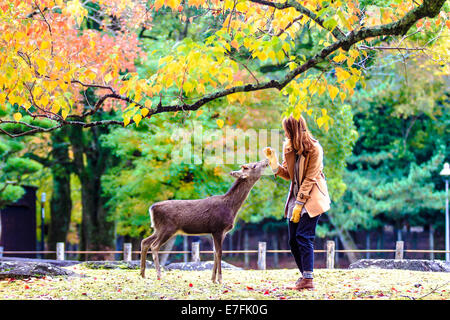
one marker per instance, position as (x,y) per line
(217,269)
(161,238)
(145,245)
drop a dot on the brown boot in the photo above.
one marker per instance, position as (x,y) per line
(305,284)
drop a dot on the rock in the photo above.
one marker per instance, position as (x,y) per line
(405,264)
(27,269)
(59,263)
(135,264)
(198,266)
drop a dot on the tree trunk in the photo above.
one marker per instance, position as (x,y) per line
(368,244)
(431,241)
(380,240)
(90,159)
(230,243)
(246,255)
(275,247)
(348,243)
(61,201)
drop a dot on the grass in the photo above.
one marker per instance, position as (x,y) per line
(342,284)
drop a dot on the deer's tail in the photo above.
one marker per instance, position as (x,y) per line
(150,212)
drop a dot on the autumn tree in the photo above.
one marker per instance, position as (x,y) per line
(49,60)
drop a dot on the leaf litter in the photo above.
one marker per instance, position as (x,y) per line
(335,284)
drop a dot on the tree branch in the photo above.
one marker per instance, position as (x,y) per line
(336,32)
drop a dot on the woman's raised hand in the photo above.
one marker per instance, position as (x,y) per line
(271,155)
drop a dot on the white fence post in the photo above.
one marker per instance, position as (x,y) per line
(185,248)
(60,251)
(330,254)
(127,250)
(262,246)
(196,251)
(399,250)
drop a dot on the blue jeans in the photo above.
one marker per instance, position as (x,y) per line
(301,241)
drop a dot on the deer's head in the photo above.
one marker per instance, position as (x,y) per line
(251,170)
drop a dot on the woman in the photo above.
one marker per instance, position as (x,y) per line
(308,193)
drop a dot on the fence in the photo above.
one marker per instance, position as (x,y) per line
(262,252)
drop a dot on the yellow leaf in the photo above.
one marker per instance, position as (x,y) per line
(173,4)
(339,58)
(353,53)
(91,76)
(126,121)
(64,113)
(341,74)
(144,112)
(137,118)
(350,62)
(17,116)
(108,77)
(320,121)
(220,123)
(280,55)
(44,100)
(41,65)
(55,108)
(58,64)
(199,112)
(2,100)
(262,56)
(333,91)
(123,90)
(45,45)
(272,55)
(187,86)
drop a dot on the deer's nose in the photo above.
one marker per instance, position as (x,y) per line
(265,162)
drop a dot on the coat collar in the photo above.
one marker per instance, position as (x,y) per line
(289,156)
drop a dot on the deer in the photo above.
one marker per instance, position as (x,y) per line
(214,215)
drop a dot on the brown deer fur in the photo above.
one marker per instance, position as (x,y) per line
(214,215)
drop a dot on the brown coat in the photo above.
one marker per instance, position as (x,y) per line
(313,188)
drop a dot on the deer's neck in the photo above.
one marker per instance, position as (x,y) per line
(238,192)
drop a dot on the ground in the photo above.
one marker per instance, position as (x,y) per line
(244,284)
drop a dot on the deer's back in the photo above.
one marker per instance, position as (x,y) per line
(197,216)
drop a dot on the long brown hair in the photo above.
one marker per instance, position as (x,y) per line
(297,131)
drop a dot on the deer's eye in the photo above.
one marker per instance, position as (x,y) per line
(254,166)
